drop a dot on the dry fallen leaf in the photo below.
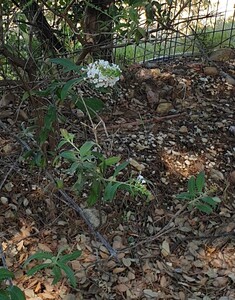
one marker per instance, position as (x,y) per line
(118,270)
(44,247)
(139,167)
(163,282)
(220,282)
(121,287)
(165,248)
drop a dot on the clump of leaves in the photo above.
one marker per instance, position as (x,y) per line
(57,264)
(92,171)
(198,196)
(10,292)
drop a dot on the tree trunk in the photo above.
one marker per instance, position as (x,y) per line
(97,28)
(35,16)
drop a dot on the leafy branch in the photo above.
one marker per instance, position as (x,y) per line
(57,264)
(198,196)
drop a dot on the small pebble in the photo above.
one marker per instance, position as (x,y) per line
(28,211)
(4,200)
(25,202)
(183,129)
(204,140)
(8,187)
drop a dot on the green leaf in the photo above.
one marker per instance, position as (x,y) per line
(69,272)
(54,86)
(92,105)
(59,183)
(120,167)
(50,117)
(149,11)
(216,199)
(184,195)
(192,186)
(37,268)
(4,295)
(200,181)
(94,193)
(56,271)
(110,190)
(38,256)
(70,155)
(139,34)
(68,85)
(67,64)
(5,274)
(61,143)
(16,293)
(209,200)
(85,148)
(112,160)
(26,95)
(66,135)
(88,166)
(43,136)
(204,208)
(72,256)
(134,16)
(75,165)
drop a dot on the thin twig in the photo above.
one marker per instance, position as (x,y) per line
(7,174)
(141,122)
(70,202)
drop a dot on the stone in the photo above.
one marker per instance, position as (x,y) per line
(230,79)
(4,200)
(183,129)
(211,71)
(9,186)
(164,108)
(93,215)
(223,54)
(216,174)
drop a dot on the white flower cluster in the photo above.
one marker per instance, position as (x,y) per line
(141,179)
(103,74)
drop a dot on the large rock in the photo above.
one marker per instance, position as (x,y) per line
(222,54)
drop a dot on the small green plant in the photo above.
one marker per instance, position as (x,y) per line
(10,292)
(94,172)
(198,196)
(57,264)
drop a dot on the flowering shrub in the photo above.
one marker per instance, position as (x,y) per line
(103,74)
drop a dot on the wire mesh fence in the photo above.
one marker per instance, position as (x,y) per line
(198,30)
(198,27)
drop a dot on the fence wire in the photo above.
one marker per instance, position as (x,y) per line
(213,26)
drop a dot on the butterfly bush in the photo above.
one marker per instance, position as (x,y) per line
(103,74)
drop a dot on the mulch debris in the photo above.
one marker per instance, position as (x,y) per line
(171,121)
